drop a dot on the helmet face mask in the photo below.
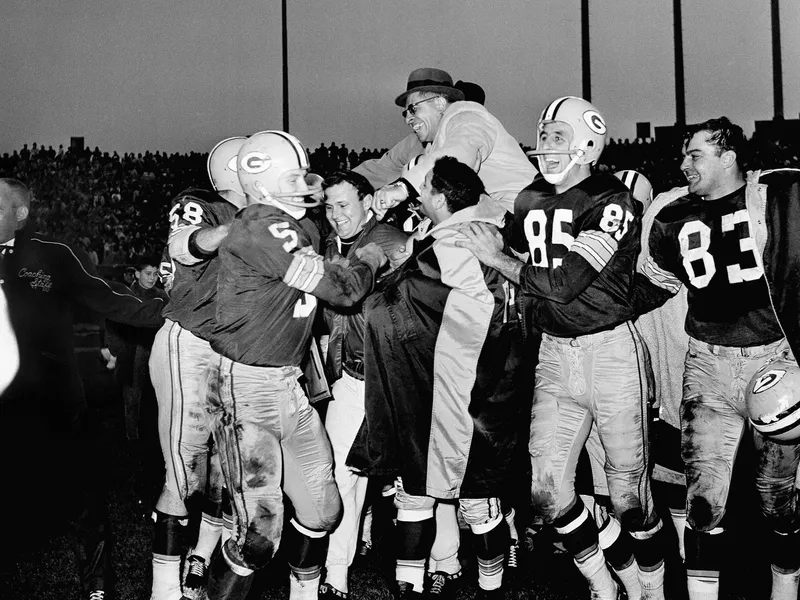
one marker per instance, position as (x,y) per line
(222,165)
(588,134)
(272,167)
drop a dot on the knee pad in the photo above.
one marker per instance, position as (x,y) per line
(577,530)
(167,534)
(305,548)
(701,516)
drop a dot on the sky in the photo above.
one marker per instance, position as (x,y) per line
(180,75)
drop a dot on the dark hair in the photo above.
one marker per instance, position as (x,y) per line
(725,136)
(145,261)
(358,181)
(460,185)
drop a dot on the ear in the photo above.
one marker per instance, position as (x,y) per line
(22,213)
(441,103)
(439,201)
(728,158)
(366,202)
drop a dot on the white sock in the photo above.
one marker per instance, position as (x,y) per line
(784,585)
(303,590)
(629,576)
(704,587)
(593,568)
(413,572)
(336,577)
(652,583)
(166,577)
(227,527)
(512,526)
(679,520)
(366,528)
(208,536)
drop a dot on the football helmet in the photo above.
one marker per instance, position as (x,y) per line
(773,399)
(639,185)
(264,162)
(588,129)
(221,165)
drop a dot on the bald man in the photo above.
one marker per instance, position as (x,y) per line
(56,469)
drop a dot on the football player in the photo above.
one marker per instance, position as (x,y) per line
(348,198)
(581,231)
(271,440)
(741,313)
(199,221)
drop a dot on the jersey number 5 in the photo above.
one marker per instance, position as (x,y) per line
(736,273)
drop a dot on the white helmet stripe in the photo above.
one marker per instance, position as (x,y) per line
(302,157)
(551,111)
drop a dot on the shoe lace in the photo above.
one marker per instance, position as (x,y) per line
(513,557)
(438,582)
(197,566)
(97,595)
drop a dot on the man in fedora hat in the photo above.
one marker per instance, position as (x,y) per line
(447,125)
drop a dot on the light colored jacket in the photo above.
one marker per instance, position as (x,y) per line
(475,137)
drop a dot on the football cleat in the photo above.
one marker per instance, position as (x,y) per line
(195,577)
(328,592)
(442,585)
(588,134)
(97,595)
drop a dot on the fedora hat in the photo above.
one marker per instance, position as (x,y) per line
(430,80)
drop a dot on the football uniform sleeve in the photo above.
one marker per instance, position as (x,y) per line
(279,248)
(470,139)
(189,214)
(96,294)
(654,264)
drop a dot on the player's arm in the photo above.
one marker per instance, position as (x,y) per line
(589,254)
(96,294)
(334,283)
(654,283)
(194,236)
(277,247)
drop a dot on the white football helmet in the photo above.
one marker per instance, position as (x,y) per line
(640,187)
(588,128)
(773,400)
(221,165)
(263,161)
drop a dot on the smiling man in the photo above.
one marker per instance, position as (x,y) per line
(726,239)
(450,126)
(580,231)
(348,197)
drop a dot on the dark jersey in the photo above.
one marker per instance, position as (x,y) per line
(708,246)
(262,321)
(583,245)
(194,285)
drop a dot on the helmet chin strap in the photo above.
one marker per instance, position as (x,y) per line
(556,178)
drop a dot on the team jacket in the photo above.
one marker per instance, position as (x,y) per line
(194,272)
(773,212)
(346,326)
(583,245)
(269,280)
(475,137)
(442,351)
(43,279)
(387,168)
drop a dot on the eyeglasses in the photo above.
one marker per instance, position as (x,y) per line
(412,108)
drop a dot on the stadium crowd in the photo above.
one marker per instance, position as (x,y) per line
(114,205)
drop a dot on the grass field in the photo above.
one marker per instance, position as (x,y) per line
(44,569)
